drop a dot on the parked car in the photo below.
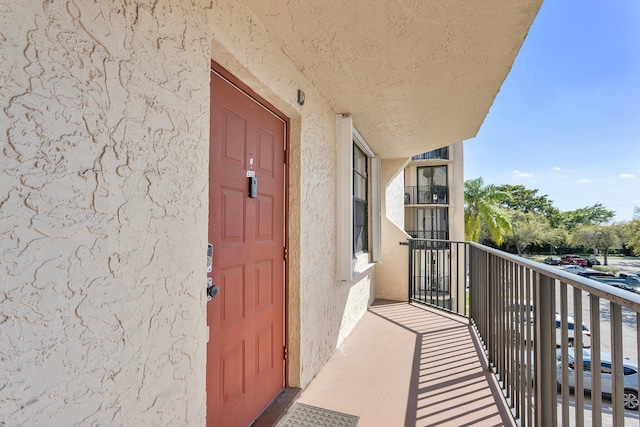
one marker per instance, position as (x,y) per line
(577,269)
(596,274)
(629,282)
(574,259)
(571,326)
(528,318)
(592,261)
(630,371)
(552,260)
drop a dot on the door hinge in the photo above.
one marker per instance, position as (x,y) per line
(285,253)
(285,354)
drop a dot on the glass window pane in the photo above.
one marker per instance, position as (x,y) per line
(359,161)
(432,223)
(359,226)
(360,207)
(359,187)
(440,175)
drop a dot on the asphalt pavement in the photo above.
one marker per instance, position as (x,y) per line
(625,265)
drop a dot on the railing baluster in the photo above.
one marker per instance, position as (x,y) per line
(546,408)
(579,367)
(500,344)
(564,337)
(515,346)
(530,358)
(518,359)
(616,365)
(596,380)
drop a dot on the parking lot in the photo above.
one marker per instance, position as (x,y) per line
(626,265)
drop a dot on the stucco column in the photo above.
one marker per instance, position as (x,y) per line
(391,273)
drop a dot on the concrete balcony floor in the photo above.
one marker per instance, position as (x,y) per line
(408,365)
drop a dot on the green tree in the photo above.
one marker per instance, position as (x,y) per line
(591,215)
(527,228)
(483,207)
(630,232)
(599,237)
(528,200)
(556,237)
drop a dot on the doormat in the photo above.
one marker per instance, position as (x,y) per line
(301,415)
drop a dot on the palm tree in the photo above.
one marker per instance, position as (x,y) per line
(483,207)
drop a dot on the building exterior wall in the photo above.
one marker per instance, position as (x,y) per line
(398,173)
(455,215)
(103,198)
(322,311)
(455,184)
(104,212)
(456,193)
(391,273)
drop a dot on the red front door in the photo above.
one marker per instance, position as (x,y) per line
(245,353)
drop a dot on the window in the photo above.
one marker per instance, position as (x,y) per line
(440,153)
(432,184)
(358,221)
(433,223)
(360,204)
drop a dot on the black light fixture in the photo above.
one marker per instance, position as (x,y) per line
(300,97)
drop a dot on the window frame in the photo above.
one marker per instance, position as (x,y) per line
(350,264)
(430,189)
(360,198)
(439,215)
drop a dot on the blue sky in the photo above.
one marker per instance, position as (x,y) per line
(567,118)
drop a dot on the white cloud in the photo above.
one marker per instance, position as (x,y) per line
(627,176)
(521,174)
(557,169)
(584,181)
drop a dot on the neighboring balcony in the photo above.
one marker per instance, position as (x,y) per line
(428,234)
(426,195)
(439,154)
(487,338)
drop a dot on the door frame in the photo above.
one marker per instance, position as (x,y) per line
(225,74)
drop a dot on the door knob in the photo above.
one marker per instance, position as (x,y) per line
(212,290)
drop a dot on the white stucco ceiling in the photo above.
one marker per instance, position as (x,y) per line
(415,75)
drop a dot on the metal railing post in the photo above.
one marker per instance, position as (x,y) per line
(617,370)
(546,383)
(411,249)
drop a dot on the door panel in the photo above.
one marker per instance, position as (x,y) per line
(245,353)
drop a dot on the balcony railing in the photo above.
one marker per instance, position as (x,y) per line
(524,313)
(428,234)
(440,153)
(422,195)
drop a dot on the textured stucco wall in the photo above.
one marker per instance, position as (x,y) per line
(391,274)
(321,311)
(455,181)
(394,200)
(415,74)
(104,111)
(456,190)
(103,205)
